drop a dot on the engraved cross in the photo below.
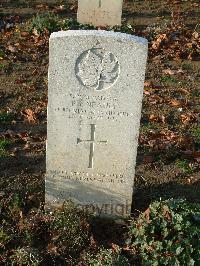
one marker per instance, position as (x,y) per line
(92,142)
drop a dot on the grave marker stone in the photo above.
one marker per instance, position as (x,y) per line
(100,12)
(94,109)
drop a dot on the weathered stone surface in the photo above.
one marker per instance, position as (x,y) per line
(95,97)
(100,12)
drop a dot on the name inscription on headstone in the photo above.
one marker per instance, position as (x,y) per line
(93,108)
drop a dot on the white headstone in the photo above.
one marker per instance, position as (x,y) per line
(94,109)
(100,12)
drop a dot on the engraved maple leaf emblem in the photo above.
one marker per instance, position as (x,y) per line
(97,69)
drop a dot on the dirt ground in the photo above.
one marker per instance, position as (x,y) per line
(169,143)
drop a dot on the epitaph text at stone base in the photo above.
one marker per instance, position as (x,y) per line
(95,97)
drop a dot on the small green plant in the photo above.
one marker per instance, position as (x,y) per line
(52,23)
(196,92)
(26,256)
(106,257)
(4,237)
(159,158)
(196,133)
(2,66)
(147,127)
(15,205)
(3,153)
(186,66)
(48,21)
(168,233)
(27,236)
(168,79)
(124,28)
(2,54)
(4,144)
(6,117)
(68,24)
(184,165)
(11,212)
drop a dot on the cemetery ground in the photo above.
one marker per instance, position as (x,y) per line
(168,153)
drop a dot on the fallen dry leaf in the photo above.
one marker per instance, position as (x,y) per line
(184,90)
(157,98)
(153,118)
(169,72)
(185,118)
(147,84)
(27,147)
(156,44)
(52,249)
(175,103)
(12,48)
(163,119)
(30,116)
(115,247)
(24,34)
(147,215)
(167,214)
(147,92)
(74,8)
(93,242)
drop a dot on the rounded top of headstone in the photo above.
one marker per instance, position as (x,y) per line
(100,33)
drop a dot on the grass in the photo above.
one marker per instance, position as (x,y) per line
(196,133)
(66,227)
(6,117)
(2,66)
(185,166)
(26,256)
(48,21)
(4,237)
(3,153)
(147,127)
(2,54)
(106,257)
(52,23)
(196,93)
(168,79)
(186,66)
(4,144)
